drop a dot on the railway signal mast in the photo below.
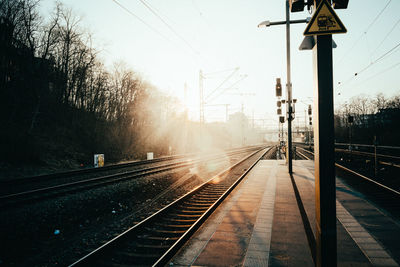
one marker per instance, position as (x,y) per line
(289,110)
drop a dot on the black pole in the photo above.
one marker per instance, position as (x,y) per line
(325,188)
(288,91)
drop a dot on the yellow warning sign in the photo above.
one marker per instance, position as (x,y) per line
(324,21)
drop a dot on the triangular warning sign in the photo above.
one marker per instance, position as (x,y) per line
(324,21)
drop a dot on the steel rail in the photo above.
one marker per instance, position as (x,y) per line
(360,145)
(362,153)
(389,164)
(95,255)
(103,180)
(371,146)
(171,251)
(87,170)
(360,175)
(105,168)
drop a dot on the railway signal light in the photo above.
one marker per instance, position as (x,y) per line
(310,119)
(278,87)
(282,119)
(340,4)
(296,5)
(279,111)
(309,110)
(278,104)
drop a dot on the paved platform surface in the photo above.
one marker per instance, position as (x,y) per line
(260,224)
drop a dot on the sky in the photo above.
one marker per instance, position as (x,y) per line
(219,36)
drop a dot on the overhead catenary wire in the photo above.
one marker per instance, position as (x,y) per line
(364,32)
(378,59)
(152,10)
(390,51)
(223,91)
(207,75)
(222,83)
(380,73)
(387,35)
(196,54)
(141,20)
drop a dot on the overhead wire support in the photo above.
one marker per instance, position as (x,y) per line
(226,89)
(219,86)
(218,72)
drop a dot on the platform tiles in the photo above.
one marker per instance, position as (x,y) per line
(259,224)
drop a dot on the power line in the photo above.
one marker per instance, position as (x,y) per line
(387,35)
(141,20)
(390,51)
(365,32)
(226,89)
(218,72)
(379,73)
(169,27)
(378,59)
(376,18)
(219,86)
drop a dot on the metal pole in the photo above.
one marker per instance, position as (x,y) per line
(306,138)
(242,124)
(376,159)
(201,91)
(350,146)
(325,187)
(226,112)
(288,89)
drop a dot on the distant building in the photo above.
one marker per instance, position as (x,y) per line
(388,116)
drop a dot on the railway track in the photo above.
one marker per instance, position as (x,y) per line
(108,169)
(386,159)
(9,200)
(383,195)
(156,239)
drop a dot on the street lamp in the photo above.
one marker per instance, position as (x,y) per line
(287,22)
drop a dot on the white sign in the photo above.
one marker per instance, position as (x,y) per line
(98,160)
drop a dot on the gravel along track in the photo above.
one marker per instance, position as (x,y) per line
(154,240)
(56,231)
(13,186)
(11,200)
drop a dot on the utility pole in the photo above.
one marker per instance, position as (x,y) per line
(226,113)
(287,22)
(306,137)
(201,92)
(185,91)
(242,126)
(288,90)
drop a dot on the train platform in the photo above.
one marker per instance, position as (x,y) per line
(262,223)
